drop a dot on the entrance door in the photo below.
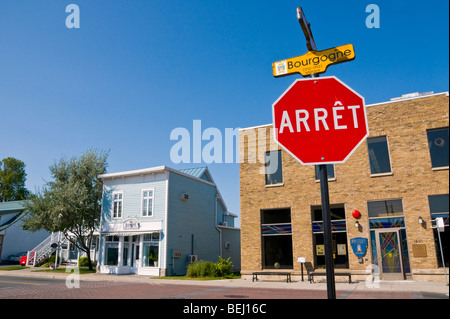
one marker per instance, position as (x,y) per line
(389,254)
(134,257)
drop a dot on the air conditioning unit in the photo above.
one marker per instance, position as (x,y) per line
(184,196)
(193,258)
(224,224)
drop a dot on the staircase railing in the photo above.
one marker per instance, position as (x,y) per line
(44,250)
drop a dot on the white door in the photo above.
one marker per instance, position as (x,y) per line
(134,256)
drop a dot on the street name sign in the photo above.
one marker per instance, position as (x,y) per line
(320,120)
(314,62)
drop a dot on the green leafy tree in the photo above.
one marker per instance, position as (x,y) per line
(12,180)
(71,203)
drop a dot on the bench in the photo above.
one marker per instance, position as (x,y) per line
(262,273)
(312,274)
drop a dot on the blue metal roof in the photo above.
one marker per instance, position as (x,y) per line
(199,172)
(11,207)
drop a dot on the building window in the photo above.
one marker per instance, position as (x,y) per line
(330,171)
(276,232)
(273,168)
(117,205)
(438,145)
(151,250)
(439,207)
(147,203)
(385,208)
(378,155)
(112,250)
(338,236)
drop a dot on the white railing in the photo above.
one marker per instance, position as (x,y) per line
(43,250)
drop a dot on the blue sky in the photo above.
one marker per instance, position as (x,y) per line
(135,70)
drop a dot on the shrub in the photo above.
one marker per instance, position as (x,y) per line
(200,268)
(50,261)
(83,262)
(203,268)
(223,267)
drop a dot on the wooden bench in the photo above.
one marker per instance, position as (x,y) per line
(263,273)
(312,274)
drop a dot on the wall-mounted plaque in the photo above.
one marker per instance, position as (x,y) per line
(419,250)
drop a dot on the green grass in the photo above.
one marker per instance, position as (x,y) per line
(12,268)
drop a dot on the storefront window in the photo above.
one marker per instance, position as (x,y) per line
(439,207)
(276,232)
(338,236)
(151,250)
(112,254)
(125,254)
(112,250)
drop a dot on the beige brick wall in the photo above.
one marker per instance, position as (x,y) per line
(412,179)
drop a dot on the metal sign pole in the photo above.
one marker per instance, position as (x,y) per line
(326,213)
(440,227)
(442,255)
(326,218)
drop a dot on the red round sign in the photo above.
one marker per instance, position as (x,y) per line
(320,120)
(356,213)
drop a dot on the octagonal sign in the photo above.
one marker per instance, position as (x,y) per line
(320,120)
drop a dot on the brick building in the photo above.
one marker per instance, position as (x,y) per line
(398,180)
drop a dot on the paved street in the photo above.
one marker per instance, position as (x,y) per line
(26,284)
(218,298)
(128,290)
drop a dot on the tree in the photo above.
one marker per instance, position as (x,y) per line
(12,180)
(71,203)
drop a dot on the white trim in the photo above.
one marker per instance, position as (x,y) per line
(133,173)
(254,127)
(125,233)
(408,98)
(440,168)
(164,265)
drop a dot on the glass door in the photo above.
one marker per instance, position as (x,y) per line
(134,257)
(389,255)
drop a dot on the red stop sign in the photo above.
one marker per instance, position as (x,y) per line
(320,120)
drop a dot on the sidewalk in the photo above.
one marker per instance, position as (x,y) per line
(390,286)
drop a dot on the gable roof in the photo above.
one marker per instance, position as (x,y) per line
(199,172)
(12,207)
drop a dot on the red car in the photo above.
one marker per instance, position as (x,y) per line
(23,260)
